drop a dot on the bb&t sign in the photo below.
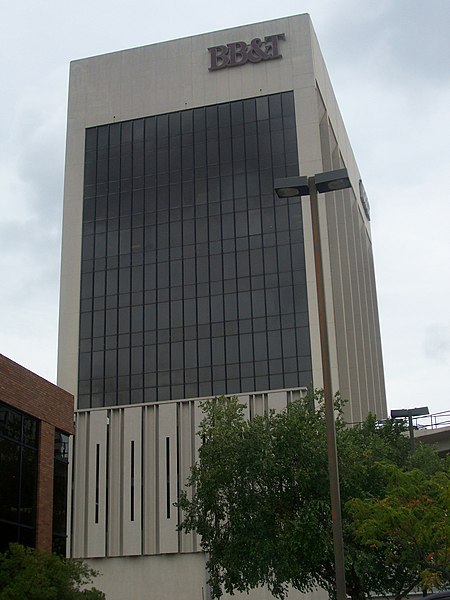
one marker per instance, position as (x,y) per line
(239,53)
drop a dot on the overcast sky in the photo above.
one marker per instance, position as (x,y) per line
(389,62)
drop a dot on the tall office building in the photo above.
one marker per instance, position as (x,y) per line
(185,276)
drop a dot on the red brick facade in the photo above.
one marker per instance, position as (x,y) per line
(31,394)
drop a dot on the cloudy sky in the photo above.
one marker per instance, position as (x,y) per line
(389,63)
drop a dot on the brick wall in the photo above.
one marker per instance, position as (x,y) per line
(34,395)
(44,511)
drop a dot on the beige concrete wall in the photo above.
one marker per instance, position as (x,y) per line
(352,312)
(438,437)
(124,506)
(168,577)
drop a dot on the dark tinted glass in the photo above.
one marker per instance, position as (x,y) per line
(59,497)
(9,494)
(18,467)
(10,423)
(193,256)
(28,487)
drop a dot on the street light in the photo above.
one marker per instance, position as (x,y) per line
(410,413)
(289,187)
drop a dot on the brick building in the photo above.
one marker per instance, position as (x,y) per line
(36,419)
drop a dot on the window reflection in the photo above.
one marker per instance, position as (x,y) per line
(18,466)
(60,473)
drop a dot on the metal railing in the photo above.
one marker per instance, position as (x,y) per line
(433,421)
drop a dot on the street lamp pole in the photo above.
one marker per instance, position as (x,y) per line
(333,468)
(410,413)
(302,186)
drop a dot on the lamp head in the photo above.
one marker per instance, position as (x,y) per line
(332,181)
(288,187)
(410,412)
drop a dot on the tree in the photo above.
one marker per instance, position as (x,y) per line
(408,530)
(360,450)
(260,496)
(36,575)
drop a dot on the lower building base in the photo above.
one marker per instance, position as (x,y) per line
(170,576)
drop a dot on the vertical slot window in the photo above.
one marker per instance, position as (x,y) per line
(97,481)
(132,467)
(168,477)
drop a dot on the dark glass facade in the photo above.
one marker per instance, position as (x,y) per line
(193,275)
(18,468)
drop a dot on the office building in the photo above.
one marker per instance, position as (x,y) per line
(184,276)
(36,420)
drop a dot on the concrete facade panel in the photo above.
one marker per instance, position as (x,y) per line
(132,481)
(95,496)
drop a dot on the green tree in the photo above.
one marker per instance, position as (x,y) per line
(259,496)
(36,575)
(360,449)
(407,531)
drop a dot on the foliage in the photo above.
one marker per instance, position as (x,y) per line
(360,449)
(36,575)
(408,530)
(259,496)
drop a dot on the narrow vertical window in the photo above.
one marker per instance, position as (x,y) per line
(132,481)
(97,481)
(168,477)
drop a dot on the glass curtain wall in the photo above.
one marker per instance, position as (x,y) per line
(193,272)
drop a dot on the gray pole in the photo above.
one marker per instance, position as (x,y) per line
(333,469)
(410,413)
(411,432)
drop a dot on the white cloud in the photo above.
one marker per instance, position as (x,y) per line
(437,343)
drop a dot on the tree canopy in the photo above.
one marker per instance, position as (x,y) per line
(408,529)
(259,496)
(36,575)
